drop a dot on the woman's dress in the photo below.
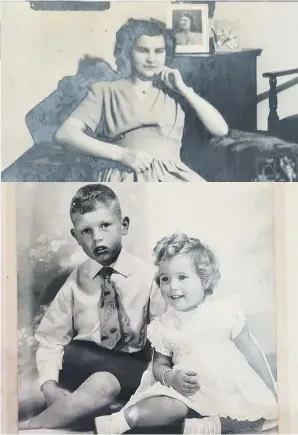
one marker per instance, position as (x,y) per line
(154,124)
(202,340)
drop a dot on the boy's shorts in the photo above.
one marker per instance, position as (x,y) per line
(83,358)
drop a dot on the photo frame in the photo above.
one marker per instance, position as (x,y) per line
(190,23)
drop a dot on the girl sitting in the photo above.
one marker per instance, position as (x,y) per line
(207,368)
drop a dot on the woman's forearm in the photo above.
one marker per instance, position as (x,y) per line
(210,117)
(71,135)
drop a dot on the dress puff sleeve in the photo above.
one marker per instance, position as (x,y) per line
(157,338)
(90,110)
(238,317)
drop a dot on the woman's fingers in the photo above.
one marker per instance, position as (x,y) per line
(140,167)
(165,76)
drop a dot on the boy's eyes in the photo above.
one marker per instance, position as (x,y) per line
(182,277)
(87,231)
(105,225)
(164,279)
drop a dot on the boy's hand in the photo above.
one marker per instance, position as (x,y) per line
(52,392)
(184,381)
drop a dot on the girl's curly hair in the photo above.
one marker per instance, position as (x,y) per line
(201,255)
(128,34)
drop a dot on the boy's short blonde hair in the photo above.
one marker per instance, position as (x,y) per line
(90,196)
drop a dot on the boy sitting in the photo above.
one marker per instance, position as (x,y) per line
(92,340)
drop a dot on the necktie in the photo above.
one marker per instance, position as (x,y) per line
(113,324)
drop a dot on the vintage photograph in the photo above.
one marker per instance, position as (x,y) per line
(190,24)
(104,95)
(141,298)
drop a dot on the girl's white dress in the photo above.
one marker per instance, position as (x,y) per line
(202,340)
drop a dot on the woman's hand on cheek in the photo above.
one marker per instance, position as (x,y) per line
(138,160)
(173,80)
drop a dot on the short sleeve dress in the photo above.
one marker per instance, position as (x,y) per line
(202,340)
(115,113)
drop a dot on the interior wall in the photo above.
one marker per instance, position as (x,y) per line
(273,28)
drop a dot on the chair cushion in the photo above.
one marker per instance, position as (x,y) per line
(288,128)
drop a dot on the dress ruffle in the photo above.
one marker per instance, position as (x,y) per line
(159,171)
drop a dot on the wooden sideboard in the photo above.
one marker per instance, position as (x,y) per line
(228,80)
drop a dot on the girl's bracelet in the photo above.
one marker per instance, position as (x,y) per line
(163,377)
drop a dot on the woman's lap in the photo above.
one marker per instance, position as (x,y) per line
(53,163)
(216,161)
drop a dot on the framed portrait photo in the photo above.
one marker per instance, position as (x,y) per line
(190,23)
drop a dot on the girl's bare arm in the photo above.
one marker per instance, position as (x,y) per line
(255,358)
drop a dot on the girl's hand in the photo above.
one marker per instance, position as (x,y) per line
(184,381)
(173,80)
(138,160)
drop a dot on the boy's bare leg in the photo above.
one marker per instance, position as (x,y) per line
(155,411)
(98,391)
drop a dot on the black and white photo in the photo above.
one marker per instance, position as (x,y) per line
(108,273)
(106,95)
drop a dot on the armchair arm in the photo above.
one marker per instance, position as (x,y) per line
(281,73)
(273,118)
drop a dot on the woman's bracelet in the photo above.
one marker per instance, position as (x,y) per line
(163,377)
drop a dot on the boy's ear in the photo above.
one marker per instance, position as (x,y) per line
(72,232)
(125,225)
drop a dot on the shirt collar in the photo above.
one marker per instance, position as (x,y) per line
(121,265)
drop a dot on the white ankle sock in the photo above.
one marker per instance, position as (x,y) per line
(112,424)
(206,425)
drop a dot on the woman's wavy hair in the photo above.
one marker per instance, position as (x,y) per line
(201,256)
(128,34)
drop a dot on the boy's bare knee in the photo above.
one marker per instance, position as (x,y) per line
(132,415)
(105,383)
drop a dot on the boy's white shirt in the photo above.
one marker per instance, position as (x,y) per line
(74,313)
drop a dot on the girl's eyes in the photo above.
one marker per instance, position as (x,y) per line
(165,279)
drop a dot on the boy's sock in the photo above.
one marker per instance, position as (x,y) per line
(206,425)
(112,424)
